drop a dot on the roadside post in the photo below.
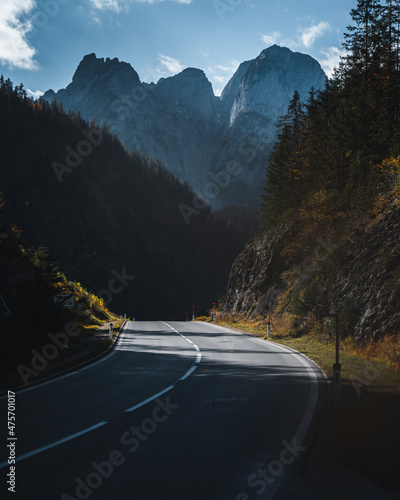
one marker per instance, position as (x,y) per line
(186,316)
(4,310)
(337,367)
(111,331)
(269,322)
(193,313)
(215,312)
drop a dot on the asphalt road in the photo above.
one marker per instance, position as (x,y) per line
(177,411)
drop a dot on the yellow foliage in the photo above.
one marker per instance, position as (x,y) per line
(390,168)
(386,350)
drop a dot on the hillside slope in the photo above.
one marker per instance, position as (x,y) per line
(120,223)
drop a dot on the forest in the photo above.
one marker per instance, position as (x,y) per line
(338,153)
(108,214)
(331,204)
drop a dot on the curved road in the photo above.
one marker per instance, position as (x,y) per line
(177,411)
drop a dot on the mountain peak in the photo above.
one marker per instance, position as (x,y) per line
(266,84)
(192,76)
(181,121)
(91,66)
(191,89)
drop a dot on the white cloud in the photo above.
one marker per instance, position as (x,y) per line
(309,35)
(15,49)
(106,5)
(221,79)
(156,1)
(230,68)
(35,94)
(118,5)
(220,74)
(304,39)
(171,64)
(275,38)
(272,38)
(331,60)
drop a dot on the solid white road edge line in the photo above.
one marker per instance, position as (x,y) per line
(305,422)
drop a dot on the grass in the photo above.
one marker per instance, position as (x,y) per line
(364,433)
(369,366)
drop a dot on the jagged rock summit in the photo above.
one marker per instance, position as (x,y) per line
(198,136)
(266,84)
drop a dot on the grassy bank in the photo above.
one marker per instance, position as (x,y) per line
(373,366)
(80,336)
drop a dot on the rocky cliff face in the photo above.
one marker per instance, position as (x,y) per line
(369,279)
(255,278)
(360,277)
(197,135)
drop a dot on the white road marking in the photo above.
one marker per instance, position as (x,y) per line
(198,358)
(69,374)
(189,372)
(56,443)
(148,400)
(100,424)
(305,422)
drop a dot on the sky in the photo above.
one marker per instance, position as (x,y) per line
(43,41)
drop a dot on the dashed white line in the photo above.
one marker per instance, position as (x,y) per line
(56,443)
(148,400)
(198,357)
(133,408)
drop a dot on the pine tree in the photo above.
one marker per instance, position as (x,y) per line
(284,162)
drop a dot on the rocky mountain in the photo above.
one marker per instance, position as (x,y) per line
(219,145)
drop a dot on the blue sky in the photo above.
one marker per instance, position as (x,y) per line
(43,41)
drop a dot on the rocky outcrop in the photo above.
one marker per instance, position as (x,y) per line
(255,278)
(360,277)
(197,135)
(369,279)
